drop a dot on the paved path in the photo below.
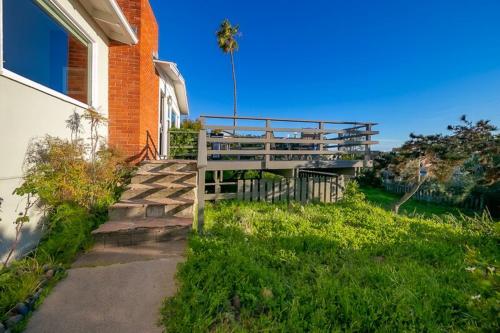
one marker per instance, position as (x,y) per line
(112,290)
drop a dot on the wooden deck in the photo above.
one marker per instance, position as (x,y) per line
(278,144)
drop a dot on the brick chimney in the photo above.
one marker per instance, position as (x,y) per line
(134,85)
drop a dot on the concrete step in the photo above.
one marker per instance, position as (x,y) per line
(155,207)
(168,165)
(152,191)
(164,177)
(141,231)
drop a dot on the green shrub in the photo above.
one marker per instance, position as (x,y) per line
(331,268)
(353,193)
(58,171)
(68,234)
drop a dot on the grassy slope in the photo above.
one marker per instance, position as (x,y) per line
(386,200)
(350,266)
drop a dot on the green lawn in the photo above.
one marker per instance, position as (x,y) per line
(386,200)
(350,266)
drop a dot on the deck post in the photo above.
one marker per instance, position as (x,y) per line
(267,145)
(202,166)
(321,127)
(368,156)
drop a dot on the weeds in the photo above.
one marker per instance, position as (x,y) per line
(344,267)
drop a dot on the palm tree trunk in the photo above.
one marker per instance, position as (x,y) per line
(234,91)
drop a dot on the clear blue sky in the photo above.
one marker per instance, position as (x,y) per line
(409,65)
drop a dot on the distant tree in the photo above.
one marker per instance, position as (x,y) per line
(193,125)
(439,156)
(226,39)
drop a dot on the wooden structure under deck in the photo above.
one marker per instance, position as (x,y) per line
(279,144)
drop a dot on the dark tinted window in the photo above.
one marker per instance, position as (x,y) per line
(39,48)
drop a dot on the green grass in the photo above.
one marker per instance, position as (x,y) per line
(69,233)
(386,200)
(350,267)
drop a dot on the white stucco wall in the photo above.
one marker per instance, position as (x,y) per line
(26,113)
(166,86)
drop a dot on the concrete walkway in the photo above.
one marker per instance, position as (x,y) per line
(112,290)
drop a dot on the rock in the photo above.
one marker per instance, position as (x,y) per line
(49,274)
(36,295)
(30,302)
(13,320)
(266,293)
(22,309)
(2,328)
(235,302)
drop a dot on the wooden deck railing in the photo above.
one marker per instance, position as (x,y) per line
(273,144)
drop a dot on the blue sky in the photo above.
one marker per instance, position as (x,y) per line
(412,66)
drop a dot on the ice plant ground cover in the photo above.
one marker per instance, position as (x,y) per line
(350,266)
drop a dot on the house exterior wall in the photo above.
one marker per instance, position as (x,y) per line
(133,88)
(166,87)
(28,112)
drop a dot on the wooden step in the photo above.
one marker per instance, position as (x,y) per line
(164,177)
(141,231)
(153,191)
(169,165)
(156,207)
(149,223)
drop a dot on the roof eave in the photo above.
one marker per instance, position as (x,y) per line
(109,16)
(169,70)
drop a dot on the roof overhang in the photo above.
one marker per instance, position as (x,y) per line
(109,16)
(169,70)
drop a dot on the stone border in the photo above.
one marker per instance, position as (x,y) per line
(23,309)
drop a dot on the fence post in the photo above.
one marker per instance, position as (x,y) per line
(267,145)
(202,167)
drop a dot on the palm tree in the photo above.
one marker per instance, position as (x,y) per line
(226,39)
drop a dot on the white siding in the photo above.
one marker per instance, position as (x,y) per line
(26,113)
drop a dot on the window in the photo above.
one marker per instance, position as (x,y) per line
(45,49)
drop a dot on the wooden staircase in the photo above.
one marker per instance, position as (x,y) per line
(157,205)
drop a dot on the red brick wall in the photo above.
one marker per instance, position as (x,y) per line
(133,85)
(77,70)
(148,36)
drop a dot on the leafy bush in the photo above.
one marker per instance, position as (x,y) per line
(353,193)
(58,171)
(343,267)
(183,140)
(69,233)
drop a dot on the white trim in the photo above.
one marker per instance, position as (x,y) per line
(124,21)
(27,82)
(168,69)
(111,18)
(63,15)
(94,82)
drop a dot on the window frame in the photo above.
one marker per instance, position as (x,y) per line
(55,10)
